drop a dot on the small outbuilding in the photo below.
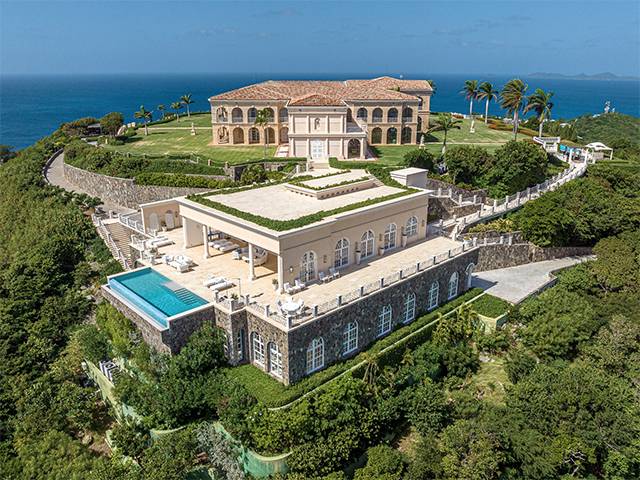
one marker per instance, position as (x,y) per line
(411,177)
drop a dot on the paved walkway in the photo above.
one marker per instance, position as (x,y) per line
(514,284)
(55,175)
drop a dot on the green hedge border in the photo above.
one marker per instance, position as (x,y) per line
(326,187)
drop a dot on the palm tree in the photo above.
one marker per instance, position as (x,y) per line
(540,102)
(186,100)
(161,108)
(470,92)
(145,115)
(262,120)
(487,93)
(177,106)
(433,86)
(444,123)
(512,99)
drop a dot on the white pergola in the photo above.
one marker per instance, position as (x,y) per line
(596,151)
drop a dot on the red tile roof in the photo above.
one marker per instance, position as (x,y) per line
(312,92)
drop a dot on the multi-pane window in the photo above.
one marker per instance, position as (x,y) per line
(240,344)
(412,227)
(258,349)
(389,239)
(367,243)
(350,338)
(409,307)
(308,267)
(315,355)
(453,285)
(433,295)
(275,360)
(341,257)
(384,321)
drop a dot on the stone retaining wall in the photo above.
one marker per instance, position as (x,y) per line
(234,172)
(122,191)
(502,256)
(433,184)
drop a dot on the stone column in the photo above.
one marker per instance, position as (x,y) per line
(362,156)
(205,239)
(252,272)
(185,233)
(280,274)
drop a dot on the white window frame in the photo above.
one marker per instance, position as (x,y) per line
(240,344)
(258,349)
(275,360)
(469,272)
(315,355)
(389,237)
(368,239)
(434,291)
(308,260)
(453,285)
(341,253)
(410,307)
(350,338)
(411,228)
(384,320)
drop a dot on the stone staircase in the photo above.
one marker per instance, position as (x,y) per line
(117,238)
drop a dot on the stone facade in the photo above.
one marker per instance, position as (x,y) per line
(234,172)
(122,191)
(502,256)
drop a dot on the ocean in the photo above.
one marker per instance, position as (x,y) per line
(33,106)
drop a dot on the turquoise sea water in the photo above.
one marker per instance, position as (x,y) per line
(155,294)
(33,106)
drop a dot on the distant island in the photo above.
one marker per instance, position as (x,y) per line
(583,76)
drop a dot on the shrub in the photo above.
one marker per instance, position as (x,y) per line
(181,180)
(516,166)
(383,463)
(420,158)
(253,174)
(467,163)
(111,123)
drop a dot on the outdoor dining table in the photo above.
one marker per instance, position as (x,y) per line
(291,307)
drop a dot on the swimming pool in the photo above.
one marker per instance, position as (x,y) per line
(154,294)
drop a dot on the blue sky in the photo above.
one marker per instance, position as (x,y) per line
(361,36)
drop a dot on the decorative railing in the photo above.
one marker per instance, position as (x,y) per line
(133,221)
(105,234)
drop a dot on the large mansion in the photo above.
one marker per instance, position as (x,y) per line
(322,119)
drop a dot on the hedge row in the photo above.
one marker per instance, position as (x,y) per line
(325,187)
(180,180)
(272,393)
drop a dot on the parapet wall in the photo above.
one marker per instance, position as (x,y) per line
(503,255)
(122,191)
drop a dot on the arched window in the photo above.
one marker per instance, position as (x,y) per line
(409,307)
(350,338)
(353,148)
(405,135)
(392,136)
(376,135)
(275,360)
(315,355)
(271,135)
(254,135)
(362,114)
(221,113)
(341,257)
(469,273)
(407,114)
(384,321)
(433,295)
(270,114)
(392,115)
(252,114)
(308,267)
(238,135)
(377,115)
(367,244)
(258,349)
(284,135)
(411,228)
(389,238)
(453,285)
(283,115)
(236,115)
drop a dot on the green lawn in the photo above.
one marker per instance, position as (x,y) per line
(490,381)
(491,306)
(483,134)
(181,142)
(198,120)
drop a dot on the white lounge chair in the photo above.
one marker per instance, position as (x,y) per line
(287,288)
(184,259)
(207,282)
(180,266)
(221,285)
(300,285)
(324,278)
(334,273)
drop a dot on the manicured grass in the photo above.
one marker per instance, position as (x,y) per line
(181,142)
(198,120)
(491,306)
(491,380)
(272,393)
(483,134)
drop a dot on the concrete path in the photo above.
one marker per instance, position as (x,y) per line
(55,175)
(514,284)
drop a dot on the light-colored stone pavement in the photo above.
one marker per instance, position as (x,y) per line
(514,284)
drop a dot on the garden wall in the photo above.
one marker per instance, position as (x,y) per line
(433,184)
(122,191)
(502,256)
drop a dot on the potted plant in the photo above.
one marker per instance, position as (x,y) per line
(274,282)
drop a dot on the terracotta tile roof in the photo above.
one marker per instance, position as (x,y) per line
(319,92)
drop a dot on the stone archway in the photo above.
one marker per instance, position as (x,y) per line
(238,135)
(376,136)
(392,136)
(406,134)
(254,135)
(284,135)
(270,135)
(353,148)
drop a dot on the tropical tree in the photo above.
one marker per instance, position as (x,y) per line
(487,93)
(512,99)
(444,123)
(470,92)
(145,115)
(162,108)
(434,87)
(540,102)
(177,106)
(262,120)
(186,101)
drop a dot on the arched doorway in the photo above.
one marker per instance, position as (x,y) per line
(405,136)
(284,135)
(271,135)
(469,273)
(223,135)
(254,135)
(238,135)
(376,135)
(392,136)
(353,148)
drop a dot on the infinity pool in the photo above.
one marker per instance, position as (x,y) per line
(155,294)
